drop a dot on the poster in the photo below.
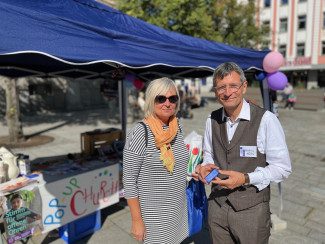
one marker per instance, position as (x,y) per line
(20,209)
(70,198)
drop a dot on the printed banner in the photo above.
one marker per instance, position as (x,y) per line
(21,211)
(74,197)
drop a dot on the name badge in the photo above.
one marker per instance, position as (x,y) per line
(248,151)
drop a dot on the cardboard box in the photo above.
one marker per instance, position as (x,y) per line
(93,140)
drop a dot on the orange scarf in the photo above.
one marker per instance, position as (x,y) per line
(163,139)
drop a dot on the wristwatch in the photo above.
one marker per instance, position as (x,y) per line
(246,184)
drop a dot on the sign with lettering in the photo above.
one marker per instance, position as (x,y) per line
(298,61)
(21,211)
(74,197)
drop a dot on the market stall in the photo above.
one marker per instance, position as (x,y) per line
(66,189)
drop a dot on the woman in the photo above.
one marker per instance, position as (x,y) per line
(291,100)
(155,161)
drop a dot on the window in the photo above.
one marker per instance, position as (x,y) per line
(266,24)
(40,89)
(323,20)
(283,50)
(283,25)
(301,22)
(284,2)
(267,3)
(323,48)
(300,49)
(302,1)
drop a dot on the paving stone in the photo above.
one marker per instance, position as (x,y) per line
(291,217)
(316,226)
(299,229)
(316,215)
(314,234)
(316,203)
(300,198)
(289,237)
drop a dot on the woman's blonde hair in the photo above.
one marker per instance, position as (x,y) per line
(158,87)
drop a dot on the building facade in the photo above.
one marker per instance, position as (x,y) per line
(298,32)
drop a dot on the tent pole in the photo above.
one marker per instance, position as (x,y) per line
(266,95)
(123,103)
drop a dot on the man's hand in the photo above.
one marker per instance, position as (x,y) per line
(202,171)
(235,179)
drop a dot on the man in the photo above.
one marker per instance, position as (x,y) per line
(247,145)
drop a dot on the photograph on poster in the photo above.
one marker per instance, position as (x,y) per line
(19,219)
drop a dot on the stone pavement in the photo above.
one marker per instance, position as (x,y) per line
(303,192)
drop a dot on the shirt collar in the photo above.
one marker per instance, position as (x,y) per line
(245,112)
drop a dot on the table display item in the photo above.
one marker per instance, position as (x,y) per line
(15,184)
(2,171)
(92,140)
(10,163)
(24,165)
(193,143)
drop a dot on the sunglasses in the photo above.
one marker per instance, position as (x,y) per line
(162,99)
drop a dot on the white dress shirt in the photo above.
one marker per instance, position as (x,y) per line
(270,141)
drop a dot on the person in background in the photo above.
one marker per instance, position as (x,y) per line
(182,97)
(155,160)
(247,144)
(291,100)
(141,101)
(286,91)
(275,104)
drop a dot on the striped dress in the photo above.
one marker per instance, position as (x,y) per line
(162,196)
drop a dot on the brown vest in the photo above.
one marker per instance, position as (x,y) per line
(226,156)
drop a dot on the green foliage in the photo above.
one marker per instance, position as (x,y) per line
(28,196)
(223,21)
(255,84)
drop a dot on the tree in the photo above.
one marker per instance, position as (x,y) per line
(13,111)
(236,24)
(184,16)
(224,21)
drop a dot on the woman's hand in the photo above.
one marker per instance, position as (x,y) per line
(195,175)
(138,230)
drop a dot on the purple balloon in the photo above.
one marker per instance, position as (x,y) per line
(130,77)
(276,80)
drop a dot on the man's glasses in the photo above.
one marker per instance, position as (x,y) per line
(231,87)
(162,99)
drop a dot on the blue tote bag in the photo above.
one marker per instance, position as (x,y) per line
(197,206)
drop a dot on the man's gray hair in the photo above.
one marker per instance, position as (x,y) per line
(158,87)
(226,69)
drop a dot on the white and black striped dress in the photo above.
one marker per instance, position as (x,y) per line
(162,195)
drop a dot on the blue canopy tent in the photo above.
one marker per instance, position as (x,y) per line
(86,39)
